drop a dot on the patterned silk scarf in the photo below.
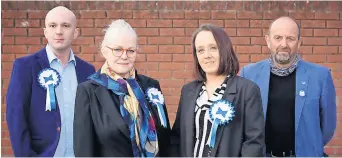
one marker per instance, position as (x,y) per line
(133,109)
(284,71)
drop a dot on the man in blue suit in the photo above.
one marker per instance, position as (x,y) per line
(298,97)
(42,89)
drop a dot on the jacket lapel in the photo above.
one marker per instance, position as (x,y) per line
(110,104)
(144,84)
(264,83)
(228,95)
(80,73)
(302,81)
(189,103)
(43,59)
(44,63)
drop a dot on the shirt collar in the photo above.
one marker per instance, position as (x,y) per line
(51,56)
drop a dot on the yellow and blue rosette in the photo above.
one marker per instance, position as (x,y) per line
(221,112)
(49,79)
(157,99)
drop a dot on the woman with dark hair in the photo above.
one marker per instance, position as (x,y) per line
(220,114)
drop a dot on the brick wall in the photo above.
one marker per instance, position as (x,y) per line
(165,30)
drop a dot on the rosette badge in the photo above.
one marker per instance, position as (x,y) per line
(49,80)
(157,99)
(221,112)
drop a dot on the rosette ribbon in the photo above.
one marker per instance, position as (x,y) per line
(49,79)
(221,112)
(157,99)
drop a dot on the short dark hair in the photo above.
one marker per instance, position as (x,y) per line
(229,63)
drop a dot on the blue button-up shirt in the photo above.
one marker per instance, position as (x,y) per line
(66,93)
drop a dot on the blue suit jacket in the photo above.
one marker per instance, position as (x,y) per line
(315,112)
(34,131)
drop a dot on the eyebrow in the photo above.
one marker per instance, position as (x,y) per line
(66,23)
(122,47)
(285,36)
(56,23)
(210,44)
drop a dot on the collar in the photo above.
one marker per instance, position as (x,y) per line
(284,71)
(51,56)
(105,69)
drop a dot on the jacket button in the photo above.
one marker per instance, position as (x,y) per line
(59,129)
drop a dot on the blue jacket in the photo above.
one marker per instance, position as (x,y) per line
(315,109)
(34,131)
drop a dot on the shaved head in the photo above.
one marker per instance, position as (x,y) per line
(60,11)
(279,22)
(60,29)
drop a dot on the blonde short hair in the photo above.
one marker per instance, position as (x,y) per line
(115,28)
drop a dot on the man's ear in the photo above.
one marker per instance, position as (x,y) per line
(45,32)
(76,33)
(299,42)
(267,39)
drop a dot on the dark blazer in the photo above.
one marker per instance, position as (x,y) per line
(34,131)
(244,136)
(99,129)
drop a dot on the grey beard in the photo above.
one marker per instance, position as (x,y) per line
(280,61)
(284,71)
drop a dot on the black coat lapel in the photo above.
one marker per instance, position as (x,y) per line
(110,105)
(228,95)
(144,84)
(188,116)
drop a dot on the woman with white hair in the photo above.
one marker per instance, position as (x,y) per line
(120,113)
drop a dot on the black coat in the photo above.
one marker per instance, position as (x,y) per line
(243,136)
(99,129)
